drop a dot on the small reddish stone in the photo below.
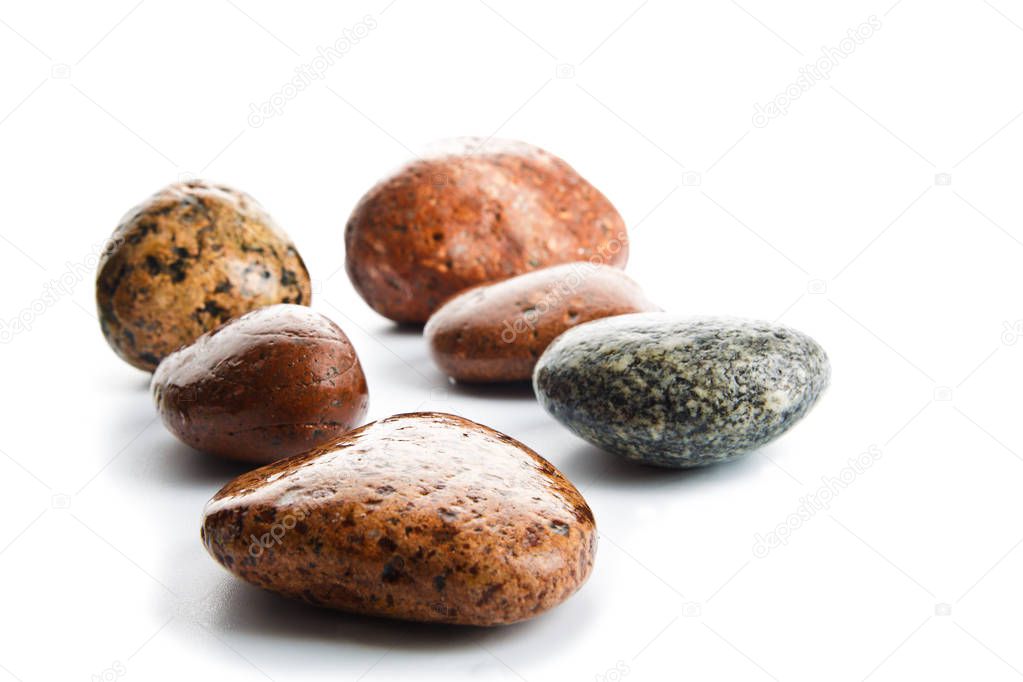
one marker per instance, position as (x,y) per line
(425,516)
(272,383)
(496,332)
(472,213)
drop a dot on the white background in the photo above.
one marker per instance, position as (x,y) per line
(831,218)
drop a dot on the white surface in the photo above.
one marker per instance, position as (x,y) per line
(921,290)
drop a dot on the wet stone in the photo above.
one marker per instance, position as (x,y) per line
(423,516)
(270,384)
(496,332)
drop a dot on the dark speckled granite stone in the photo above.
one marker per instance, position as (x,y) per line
(678,391)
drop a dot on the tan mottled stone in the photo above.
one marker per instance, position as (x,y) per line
(187,259)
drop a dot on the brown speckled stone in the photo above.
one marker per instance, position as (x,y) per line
(496,332)
(463,217)
(272,383)
(187,259)
(424,516)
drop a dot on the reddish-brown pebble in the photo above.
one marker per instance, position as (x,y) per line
(469,215)
(275,382)
(187,259)
(425,516)
(496,332)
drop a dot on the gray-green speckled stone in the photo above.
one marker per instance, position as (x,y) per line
(677,391)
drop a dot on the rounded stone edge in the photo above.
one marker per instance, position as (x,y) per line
(565,340)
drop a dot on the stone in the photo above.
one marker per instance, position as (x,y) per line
(272,383)
(678,391)
(496,332)
(422,516)
(187,259)
(471,212)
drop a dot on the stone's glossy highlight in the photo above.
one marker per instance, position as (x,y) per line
(186,260)
(496,332)
(678,391)
(468,215)
(425,516)
(275,382)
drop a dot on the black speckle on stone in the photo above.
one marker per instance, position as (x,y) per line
(559,527)
(288,278)
(387,544)
(488,594)
(222,287)
(153,265)
(393,570)
(266,516)
(213,309)
(146,226)
(149,358)
(439,581)
(178,270)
